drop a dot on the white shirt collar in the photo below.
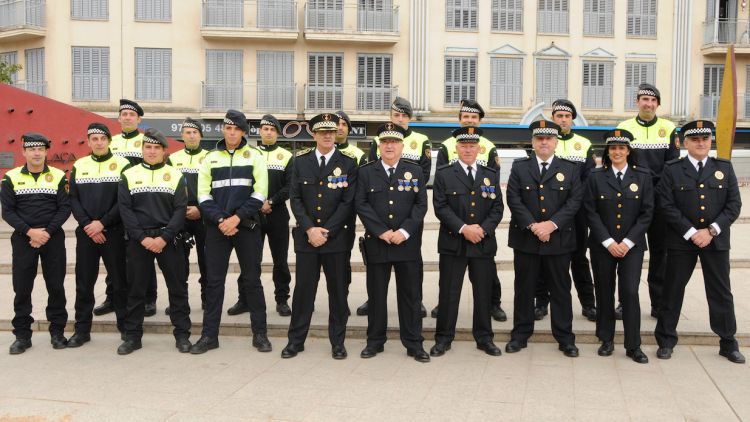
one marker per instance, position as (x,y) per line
(694,161)
(386,166)
(539,161)
(624,170)
(466,167)
(328,156)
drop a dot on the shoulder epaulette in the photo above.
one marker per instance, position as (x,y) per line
(304,151)
(444,166)
(367,163)
(489,169)
(528,157)
(598,170)
(641,169)
(676,160)
(348,154)
(569,160)
(406,160)
(722,159)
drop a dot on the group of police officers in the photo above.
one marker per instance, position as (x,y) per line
(134,205)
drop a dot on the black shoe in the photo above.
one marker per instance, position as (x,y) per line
(418,355)
(490,348)
(370,351)
(569,350)
(439,349)
(362,310)
(338,352)
(637,355)
(283,309)
(260,342)
(183,345)
(149,309)
(433,312)
(166,310)
(606,349)
(20,345)
(123,337)
(654,313)
(128,347)
(589,313)
(734,356)
(105,308)
(78,339)
(514,346)
(204,344)
(618,312)
(422,310)
(59,341)
(238,308)
(540,312)
(498,314)
(664,352)
(291,351)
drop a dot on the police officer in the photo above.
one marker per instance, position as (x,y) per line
(342,139)
(153,200)
(391,202)
(656,142)
(94,182)
(544,194)
(573,147)
(471,114)
(232,187)
(416,147)
(322,199)
(35,203)
(469,205)
(700,200)
(188,161)
(619,203)
(274,215)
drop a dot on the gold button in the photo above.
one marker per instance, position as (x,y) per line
(701,185)
(305,181)
(619,215)
(636,197)
(702,220)
(318,208)
(454,193)
(390,215)
(541,186)
(619,194)
(372,190)
(471,215)
(619,205)
(703,196)
(320,195)
(544,209)
(719,186)
(602,197)
(527,188)
(562,188)
(391,188)
(618,227)
(318,220)
(390,202)
(473,204)
(346,227)
(321,183)
(703,207)
(472,192)
(541,198)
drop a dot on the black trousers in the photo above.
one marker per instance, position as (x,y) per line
(408,299)
(198,230)
(88,254)
(25,261)
(715,265)
(527,269)
(140,265)
(657,258)
(275,226)
(150,291)
(452,271)
(623,274)
(307,276)
(248,247)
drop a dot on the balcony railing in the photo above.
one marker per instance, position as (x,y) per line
(342,19)
(244,96)
(253,14)
(349,97)
(710,106)
(39,88)
(21,13)
(726,31)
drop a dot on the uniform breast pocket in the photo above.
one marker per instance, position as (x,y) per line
(456,197)
(557,186)
(374,193)
(718,189)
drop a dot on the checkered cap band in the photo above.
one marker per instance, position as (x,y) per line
(325,124)
(647,92)
(466,109)
(617,140)
(398,109)
(698,131)
(191,125)
(267,122)
(31,144)
(391,134)
(128,107)
(96,131)
(151,140)
(562,108)
(229,122)
(466,136)
(551,131)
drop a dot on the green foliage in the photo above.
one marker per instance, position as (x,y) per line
(7,71)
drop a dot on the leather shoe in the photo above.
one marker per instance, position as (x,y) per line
(167,310)
(606,349)
(433,312)
(338,352)
(283,309)
(128,347)
(238,308)
(204,344)
(498,314)
(637,355)
(490,348)
(514,346)
(418,355)
(20,345)
(59,341)
(439,349)
(260,342)
(149,309)
(654,312)
(291,351)
(618,312)
(540,312)
(589,313)
(422,310)
(370,351)
(78,339)
(362,310)
(664,352)
(734,356)
(183,345)
(105,308)
(569,350)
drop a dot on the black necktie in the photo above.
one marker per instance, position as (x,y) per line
(391,170)
(471,176)
(322,163)
(544,168)
(700,169)
(619,177)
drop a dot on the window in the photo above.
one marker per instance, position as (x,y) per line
(277,14)
(374,91)
(35,79)
(713,75)
(461,15)
(507,15)
(325,81)
(89,9)
(223,13)
(376,15)
(506,82)
(325,14)
(153,10)
(551,80)
(276,90)
(597,84)
(153,74)
(90,73)
(637,73)
(10,58)
(552,17)
(597,17)
(641,20)
(223,87)
(460,79)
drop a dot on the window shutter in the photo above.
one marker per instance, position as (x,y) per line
(90,73)
(551,80)
(637,73)
(373,82)
(224,83)
(325,81)
(506,82)
(153,10)
(276,80)
(35,81)
(89,9)
(153,74)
